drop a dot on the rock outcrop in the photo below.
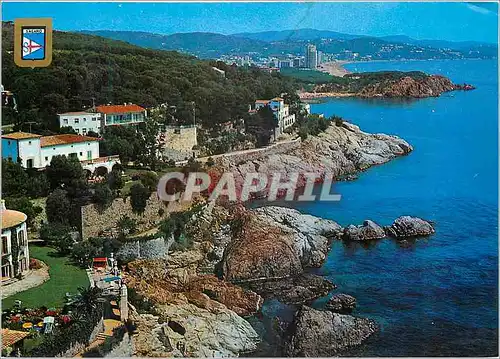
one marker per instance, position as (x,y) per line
(389,84)
(428,86)
(341,303)
(186,330)
(276,243)
(338,152)
(302,289)
(315,333)
(368,231)
(151,279)
(407,226)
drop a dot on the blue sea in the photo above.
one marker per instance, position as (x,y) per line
(435,296)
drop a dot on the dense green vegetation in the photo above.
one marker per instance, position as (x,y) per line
(306,75)
(86,67)
(64,278)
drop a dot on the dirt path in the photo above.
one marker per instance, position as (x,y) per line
(33,279)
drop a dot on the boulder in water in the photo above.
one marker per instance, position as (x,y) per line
(367,231)
(407,226)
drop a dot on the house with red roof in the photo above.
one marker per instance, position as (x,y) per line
(36,151)
(98,118)
(117,115)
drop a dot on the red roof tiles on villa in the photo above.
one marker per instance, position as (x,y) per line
(55,140)
(20,136)
(10,337)
(110,109)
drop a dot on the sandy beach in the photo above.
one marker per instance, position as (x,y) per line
(334,68)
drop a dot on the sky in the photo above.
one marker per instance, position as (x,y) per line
(441,21)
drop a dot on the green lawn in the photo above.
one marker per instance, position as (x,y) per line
(64,277)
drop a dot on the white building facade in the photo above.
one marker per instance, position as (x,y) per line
(82,122)
(35,151)
(281,112)
(14,245)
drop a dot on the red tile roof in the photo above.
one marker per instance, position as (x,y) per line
(55,140)
(110,109)
(10,337)
(20,135)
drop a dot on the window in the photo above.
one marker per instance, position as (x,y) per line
(84,130)
(77,120)
(5,245)
(84,119)
(65,121)
(6,271)
(46,158)
(29,142)
(8,142)
(89,155)
(94,119)
(77,130)
(29,163)
(81,154)
(73,155)
(21,238)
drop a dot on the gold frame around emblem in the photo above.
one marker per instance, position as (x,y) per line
(19,24)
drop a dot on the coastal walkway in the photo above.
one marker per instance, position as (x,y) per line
(242,152)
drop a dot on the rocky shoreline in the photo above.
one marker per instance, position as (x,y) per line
(420,86)
(192,312)
(193,303)
(341,151)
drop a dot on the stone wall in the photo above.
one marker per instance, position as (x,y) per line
(179,142)
(145,249)
(123,350)
(96,223)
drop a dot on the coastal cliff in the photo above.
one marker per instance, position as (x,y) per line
(342,150)
(390,84)
(241,256)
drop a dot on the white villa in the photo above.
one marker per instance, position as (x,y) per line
(36,151)
(82,122)
(107,115)
(281,112)
(15,252)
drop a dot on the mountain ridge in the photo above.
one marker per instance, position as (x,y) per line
(278,43)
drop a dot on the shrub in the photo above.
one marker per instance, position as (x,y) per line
(139,196)
(149,180)
(57,207)
(35,264)
(103,196)
(126,226)
(23,204)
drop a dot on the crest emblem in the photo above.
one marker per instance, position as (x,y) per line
(33,42)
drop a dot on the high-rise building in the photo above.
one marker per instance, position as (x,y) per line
(311,56)
(320,57)
(297,62)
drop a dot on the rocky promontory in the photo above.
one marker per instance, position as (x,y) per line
(390,84)
(341,150)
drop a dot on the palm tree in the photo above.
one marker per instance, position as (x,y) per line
(87,299)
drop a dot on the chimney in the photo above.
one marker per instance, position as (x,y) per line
(2,205)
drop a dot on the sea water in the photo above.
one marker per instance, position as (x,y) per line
(435,296)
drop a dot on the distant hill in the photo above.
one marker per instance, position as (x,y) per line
(293,35)
(443,44)
(87,68)
(278,43)
(201,44)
